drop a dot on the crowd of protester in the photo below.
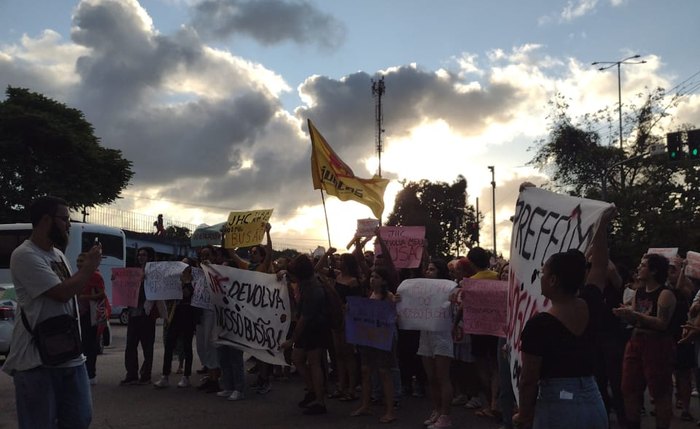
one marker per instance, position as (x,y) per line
(611,336)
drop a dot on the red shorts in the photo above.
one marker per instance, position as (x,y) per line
(648,362)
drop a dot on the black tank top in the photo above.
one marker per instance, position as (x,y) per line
(647,302)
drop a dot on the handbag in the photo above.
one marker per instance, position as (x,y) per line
(57,338)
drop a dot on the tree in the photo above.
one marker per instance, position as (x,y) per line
(659,201)
(47,148)
(440,207)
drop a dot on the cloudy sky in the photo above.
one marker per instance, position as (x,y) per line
(209,99)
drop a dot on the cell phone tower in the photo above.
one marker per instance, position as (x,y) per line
(378,90)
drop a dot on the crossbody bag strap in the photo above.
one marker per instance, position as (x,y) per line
(24,321)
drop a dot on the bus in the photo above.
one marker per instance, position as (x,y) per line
(82,238)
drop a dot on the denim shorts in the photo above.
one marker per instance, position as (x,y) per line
(570,403)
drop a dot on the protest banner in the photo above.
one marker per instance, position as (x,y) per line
(667,252)
(245,228)
(365,229)
(692,269)
(201,297)
(126,283)
(251,311)
(425,304)
(405,244)
(162,280)
(370,322)
(485,307)
(545,223)
(207,235)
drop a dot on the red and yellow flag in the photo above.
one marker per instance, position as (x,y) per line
(331,174)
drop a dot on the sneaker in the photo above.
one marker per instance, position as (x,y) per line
(263,389)
(308,398)
(163,382)
(460,400)
(315,409)
(432,419)
(474,404)
(694,392)
(236,396)
(93,381)
(442,422)
(184,382)
(224,393)
(129,382)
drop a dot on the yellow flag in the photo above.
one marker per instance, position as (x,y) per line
(331,174)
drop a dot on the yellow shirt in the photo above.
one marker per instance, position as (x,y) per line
(485,275)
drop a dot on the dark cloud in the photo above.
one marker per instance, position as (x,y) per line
(269,22)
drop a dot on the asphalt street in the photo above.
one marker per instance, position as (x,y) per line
(146,407)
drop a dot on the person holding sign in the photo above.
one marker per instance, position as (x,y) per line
(437,351)
(93,292)
(376,359)
(557,388)
(141,328)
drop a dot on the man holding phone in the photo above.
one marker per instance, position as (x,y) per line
(48,395)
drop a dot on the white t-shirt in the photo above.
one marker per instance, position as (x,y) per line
(34,271)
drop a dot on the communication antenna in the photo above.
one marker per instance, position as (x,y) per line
(377,92)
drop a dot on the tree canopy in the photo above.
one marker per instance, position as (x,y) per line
(47,148)
(450,224)
(659,199)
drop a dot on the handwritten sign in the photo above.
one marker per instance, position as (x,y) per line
(207,235)
(692,269)
(545,223)
(425,304)
(485,307)
(366,227)
(245,228)
(201,297)
(162,280)
(667,252)
(251,311)
(126,283)
(405,244)
(370,322)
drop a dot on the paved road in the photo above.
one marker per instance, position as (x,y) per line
(145,407)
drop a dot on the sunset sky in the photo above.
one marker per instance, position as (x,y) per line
(209,99)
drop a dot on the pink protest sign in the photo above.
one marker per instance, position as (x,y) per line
(485,307)
(405,244)
(125,286)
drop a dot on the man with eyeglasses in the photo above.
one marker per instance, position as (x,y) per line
(57,395)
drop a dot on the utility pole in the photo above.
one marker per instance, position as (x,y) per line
(609,64)
(378,90)
(493,206)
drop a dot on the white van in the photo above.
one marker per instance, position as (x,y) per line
(82,238)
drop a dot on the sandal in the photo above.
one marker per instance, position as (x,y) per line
(348,397)
(385,419)
(360,412)
(486,412)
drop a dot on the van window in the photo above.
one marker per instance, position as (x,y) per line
(9,240)
(112,245)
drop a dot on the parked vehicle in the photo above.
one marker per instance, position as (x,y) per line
(82,238)
(8,308)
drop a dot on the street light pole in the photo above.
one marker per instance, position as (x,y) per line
(493,206)
(609,64)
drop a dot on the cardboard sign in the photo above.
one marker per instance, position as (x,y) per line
(162,280)
(667,252)
(251,311)
(207,235)
(370,322)
(201,297)
(692,269)
(405,244)
(245,228)
(126,283)
(545,223)
(366,227)
(485,307)
(425,304)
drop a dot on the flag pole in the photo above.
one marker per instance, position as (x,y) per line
(325,212)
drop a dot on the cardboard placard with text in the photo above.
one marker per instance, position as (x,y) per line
(405,244)
(245,228)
